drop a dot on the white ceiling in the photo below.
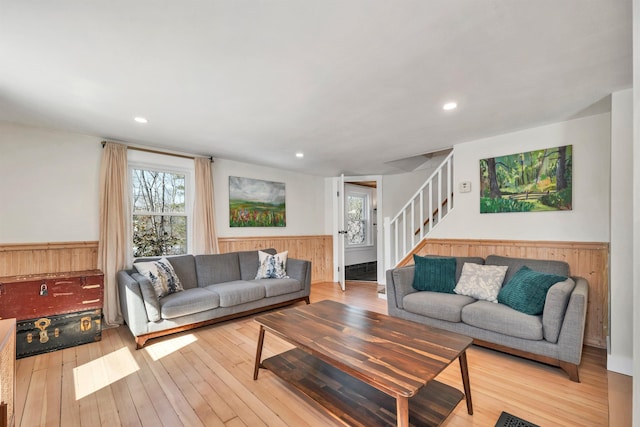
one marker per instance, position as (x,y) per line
(354,84)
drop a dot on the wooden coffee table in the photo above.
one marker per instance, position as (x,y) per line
(366,368)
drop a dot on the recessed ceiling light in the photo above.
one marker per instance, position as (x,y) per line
(450,106)
(141,120)
(299,154)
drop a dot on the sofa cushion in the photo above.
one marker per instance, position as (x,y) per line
(502,319)
(560,268)
(275,287)
(219,268)
(436,305)
(527,290)
(237,292)
(434,274)
(185,268)
(272,266)
(249,262)
(188,302)
(162,276)
(481,281)
(555,307)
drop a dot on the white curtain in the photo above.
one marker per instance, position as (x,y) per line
(114,243)
(204,228)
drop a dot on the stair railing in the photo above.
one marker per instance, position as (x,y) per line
(420,215)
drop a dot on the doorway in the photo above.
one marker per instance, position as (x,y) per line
(360,204)
(366,254)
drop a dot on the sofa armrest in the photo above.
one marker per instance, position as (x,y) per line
(399,285)
(555,307)
(132,303)
(149,297)
(571,336)
(300,270)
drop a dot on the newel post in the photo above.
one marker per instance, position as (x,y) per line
(387,243)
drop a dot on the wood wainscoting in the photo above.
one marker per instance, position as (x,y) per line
(586,259)
(317,249)
(40,258)
(589,260)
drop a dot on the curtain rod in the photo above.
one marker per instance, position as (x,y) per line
(166,153)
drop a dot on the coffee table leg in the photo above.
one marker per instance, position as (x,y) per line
(402,411)
(258,353)
(465,381)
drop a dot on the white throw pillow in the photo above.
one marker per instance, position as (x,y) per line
(272,266)
(163,277)
(481,281)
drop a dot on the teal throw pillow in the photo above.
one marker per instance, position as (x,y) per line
(527,290)
(434,274)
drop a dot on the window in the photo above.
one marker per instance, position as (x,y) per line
(358,230)
(160,219)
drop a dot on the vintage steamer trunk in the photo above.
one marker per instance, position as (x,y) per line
(53,311)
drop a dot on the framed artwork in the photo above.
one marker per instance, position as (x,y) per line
(256,203)
(539,180)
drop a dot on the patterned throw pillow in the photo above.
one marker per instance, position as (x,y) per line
(527,290)
(272,266)
(481,281)
(163,277)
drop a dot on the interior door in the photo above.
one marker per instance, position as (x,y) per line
(341,234)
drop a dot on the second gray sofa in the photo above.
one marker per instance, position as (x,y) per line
(554,337)
(216,288)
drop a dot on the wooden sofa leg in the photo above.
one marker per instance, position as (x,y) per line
(306,299)
(571,369)
(140,342)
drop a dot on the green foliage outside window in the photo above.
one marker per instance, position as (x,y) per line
(159,214)
(356,219)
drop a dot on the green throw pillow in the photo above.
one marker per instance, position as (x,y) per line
(527,290)
(434,274)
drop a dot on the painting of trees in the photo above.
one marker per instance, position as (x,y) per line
(538,180)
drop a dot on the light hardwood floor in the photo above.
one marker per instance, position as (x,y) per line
(204,378)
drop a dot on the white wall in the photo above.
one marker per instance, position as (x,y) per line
(305,200)
(621,245)
(399,188)
(635,319)
(49,185)
(589,219)
(49,182)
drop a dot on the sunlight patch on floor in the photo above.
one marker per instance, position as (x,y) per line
(101,372)
(160,349)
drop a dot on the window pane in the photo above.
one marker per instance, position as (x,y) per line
(356,220)
(158,192)
(159,235)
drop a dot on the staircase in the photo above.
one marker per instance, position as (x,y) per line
(422,213)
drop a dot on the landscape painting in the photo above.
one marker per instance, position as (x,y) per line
(534,181)
(256,203)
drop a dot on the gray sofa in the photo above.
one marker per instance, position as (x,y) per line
(555,337)
(216,288)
